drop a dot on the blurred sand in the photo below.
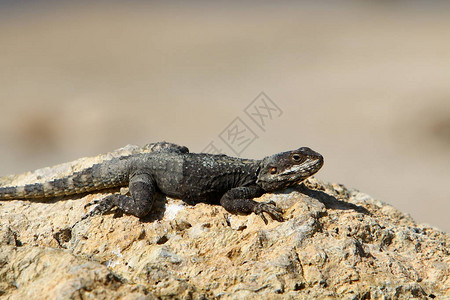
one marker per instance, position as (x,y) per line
(366,85)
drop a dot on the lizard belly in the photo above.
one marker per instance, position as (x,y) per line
(191,190)
(202,189)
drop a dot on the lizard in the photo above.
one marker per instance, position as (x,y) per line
(193,177)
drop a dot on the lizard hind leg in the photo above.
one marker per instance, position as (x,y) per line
(142,189)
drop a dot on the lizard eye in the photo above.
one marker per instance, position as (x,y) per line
(273,170)
(298,158)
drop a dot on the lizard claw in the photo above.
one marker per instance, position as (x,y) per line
(91,203)
(271,209)
(103,206)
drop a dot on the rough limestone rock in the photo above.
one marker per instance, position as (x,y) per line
(335,243)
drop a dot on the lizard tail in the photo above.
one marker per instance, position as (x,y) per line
(89,179)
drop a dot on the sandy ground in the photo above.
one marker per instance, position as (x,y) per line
(366,85)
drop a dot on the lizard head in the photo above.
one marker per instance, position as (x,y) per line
(288,168)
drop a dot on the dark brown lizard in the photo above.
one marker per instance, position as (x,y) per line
(194,177)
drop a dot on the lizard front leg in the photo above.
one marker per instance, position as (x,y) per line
(239,200)
(142,189)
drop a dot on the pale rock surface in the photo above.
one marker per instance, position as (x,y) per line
(335,243)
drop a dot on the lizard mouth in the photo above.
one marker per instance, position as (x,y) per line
(304,170)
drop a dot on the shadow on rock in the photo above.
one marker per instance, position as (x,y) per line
(330,201)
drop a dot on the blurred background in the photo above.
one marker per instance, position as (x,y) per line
(365,83)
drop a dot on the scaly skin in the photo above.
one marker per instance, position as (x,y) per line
(172,170)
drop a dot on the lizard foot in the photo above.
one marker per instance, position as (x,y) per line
(105,205)
(271,209)
(91,203)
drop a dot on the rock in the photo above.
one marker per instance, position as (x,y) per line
(335,243)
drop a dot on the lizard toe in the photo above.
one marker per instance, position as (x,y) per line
(270,208)
(263,217)
(92,203)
